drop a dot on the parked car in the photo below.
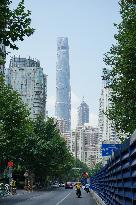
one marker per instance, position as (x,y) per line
(68,185)
(55,185)
(61,184)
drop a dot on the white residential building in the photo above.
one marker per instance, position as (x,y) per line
(62,126)
(106,127)
(27,77)
(67,137)
(77,142)
(85,144)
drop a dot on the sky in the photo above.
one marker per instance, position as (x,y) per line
(88,24)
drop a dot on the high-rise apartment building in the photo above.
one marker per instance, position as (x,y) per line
(83,114)
(62,126)
(2,54)
(85,144)
(26,76)
(63,89)
(106,127)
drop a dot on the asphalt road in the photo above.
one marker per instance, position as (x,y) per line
(58,196)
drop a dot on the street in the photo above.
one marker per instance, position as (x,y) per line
(58,196)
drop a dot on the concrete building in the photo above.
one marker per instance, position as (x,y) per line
(2,54)
(83,114)
(63,89)
(106,127)
(67,137)
(62,126)
(85,144)
(26,76)
(77,142)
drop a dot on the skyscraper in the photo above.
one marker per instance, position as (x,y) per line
(2,53)
(107,132)
(83,113)
(85,144)
(106,128)
(63,89)
(27,77)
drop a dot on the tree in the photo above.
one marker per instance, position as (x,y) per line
(50,156)
(14,123)
(77,170)
(14,25)
(96,168)
(122,77)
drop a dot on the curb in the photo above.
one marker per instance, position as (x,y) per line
(98,199)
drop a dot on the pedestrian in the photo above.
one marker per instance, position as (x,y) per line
(13,186)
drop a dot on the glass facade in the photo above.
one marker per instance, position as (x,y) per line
(63,89)
(27,77)
(83,114)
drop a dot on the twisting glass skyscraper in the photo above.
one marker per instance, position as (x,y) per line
(63,89)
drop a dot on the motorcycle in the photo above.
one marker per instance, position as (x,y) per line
(7,188)
(3,190)
(87,190)
(78,193)
(13,190)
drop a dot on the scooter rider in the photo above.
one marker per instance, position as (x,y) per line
(87,188)
(78,186)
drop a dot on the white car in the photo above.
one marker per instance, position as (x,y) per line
(55,185)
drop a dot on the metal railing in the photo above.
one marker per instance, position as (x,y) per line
(116,182)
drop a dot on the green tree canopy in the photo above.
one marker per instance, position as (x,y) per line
(122,77)
(52,154)
(14,24)
(14,122)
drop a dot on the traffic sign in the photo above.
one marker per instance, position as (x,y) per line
(107,149)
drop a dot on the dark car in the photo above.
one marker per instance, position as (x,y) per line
(68,185)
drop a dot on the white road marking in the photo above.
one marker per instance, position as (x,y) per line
(63,198)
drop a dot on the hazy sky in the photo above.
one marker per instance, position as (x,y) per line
(88,24)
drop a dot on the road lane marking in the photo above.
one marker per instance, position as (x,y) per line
(63,198)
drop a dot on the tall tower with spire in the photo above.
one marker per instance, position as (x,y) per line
(63,89)
(83,113)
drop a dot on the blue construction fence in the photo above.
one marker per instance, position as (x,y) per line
(115,183)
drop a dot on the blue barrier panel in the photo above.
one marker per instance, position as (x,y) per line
(116,182)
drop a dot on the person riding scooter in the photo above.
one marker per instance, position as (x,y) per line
(78,186)
(87,188)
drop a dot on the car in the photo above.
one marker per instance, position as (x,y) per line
(61,184)
(68,185)
(55,185)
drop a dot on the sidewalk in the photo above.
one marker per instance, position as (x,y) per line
(18,193)
(92,199)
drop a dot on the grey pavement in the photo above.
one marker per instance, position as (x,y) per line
(58,196)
